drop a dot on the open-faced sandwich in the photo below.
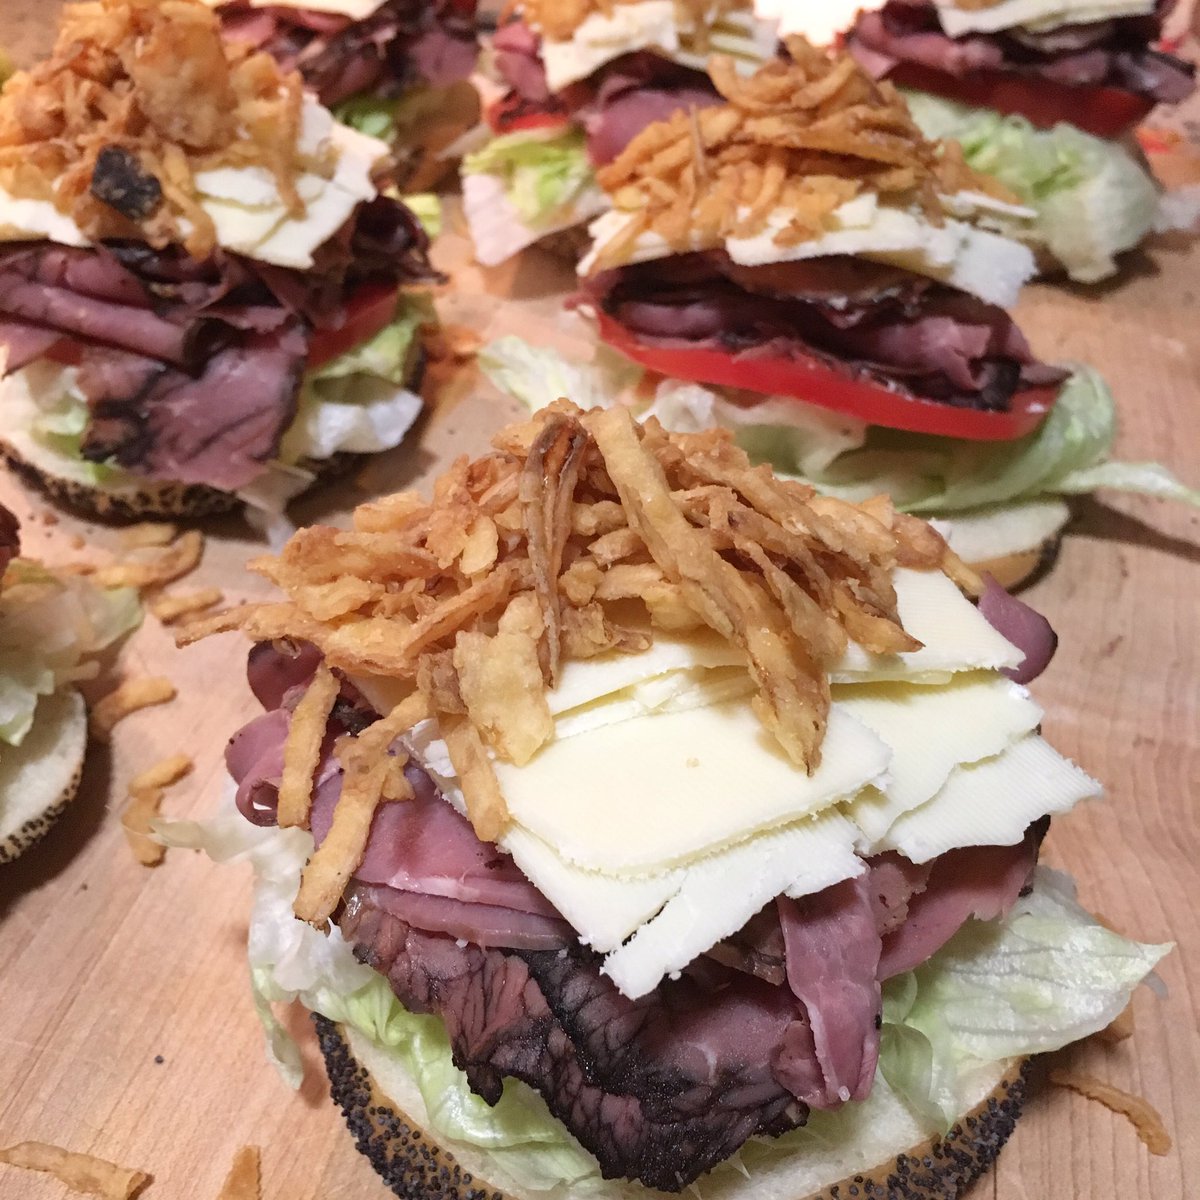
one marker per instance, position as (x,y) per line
(582,80)
(802,264)
(200,283)
(633,817)
(396,69)
(52,626)
(1043,94)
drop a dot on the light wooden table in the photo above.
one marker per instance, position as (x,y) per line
(107,967)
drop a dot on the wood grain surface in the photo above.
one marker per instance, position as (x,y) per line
(125,1022)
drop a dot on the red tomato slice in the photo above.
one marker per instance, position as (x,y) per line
(511,114)
(369,310)
(810,380)
(1108,112)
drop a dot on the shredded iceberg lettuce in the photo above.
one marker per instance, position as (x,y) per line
(542,175)
(1046,976)
(1068,454)
(49,627)
(1093,198)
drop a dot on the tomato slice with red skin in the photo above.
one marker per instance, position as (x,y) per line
(812,381)
(1108,112)
(370,309)
(513,114)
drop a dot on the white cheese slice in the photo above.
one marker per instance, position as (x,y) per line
(932,730)
(822,21)
(244,202)
(675,692)
(22,219)
(1039,15)
(675,786)
(583,681)
(654,25)
(958,253)
(993,802)
(723,891)
(356,10)
(603,909)
(955,633)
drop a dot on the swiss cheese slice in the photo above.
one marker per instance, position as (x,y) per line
(603,909)
(1039,15)
(721,893)
(955,634)
(655,25)
(956,252)
(656,792)
(993,802)
(932,730)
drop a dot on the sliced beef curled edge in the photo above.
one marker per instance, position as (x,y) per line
(404,44)
(191,369)
(1116,53)
(870,321)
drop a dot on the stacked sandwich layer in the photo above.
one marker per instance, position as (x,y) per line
(1042,94)
(579,89)
(225,316)
(666,892)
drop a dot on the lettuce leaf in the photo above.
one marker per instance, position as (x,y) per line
(1068,454)
(374,115)
(542,175)
(1047,976)
(1092,197)
(49,627)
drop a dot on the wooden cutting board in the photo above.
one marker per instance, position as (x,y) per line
(126,1025)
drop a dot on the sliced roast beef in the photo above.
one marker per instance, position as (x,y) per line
(613,105)
(191,369)
(1114,53)
(832,944)
(634,91)
(404,44)
(218,427)
(979,881)
(10,538)
(702,1098)
(900,330)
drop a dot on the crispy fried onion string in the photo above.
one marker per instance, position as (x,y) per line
(581,534)
(792,143)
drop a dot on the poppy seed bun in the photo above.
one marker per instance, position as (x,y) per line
(127,502)
(147,499)
(38,778)
(386,1114)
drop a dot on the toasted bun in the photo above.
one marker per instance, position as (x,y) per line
(1013,571)
(38,778)
(390,1131)
(148,499)
(1012,542)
